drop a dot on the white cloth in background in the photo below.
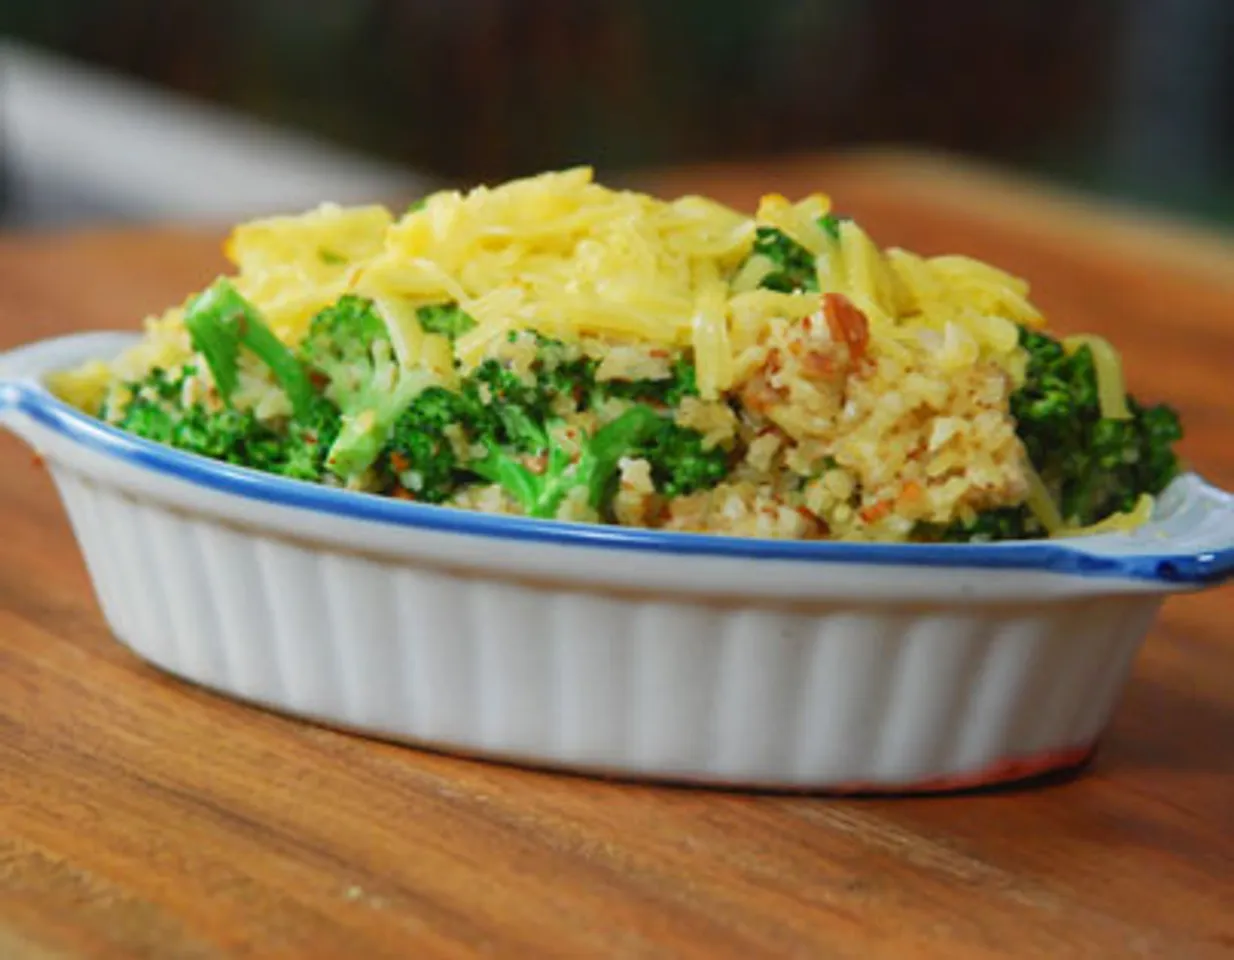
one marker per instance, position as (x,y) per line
(80,144)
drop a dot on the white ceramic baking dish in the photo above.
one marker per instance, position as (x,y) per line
(636,653)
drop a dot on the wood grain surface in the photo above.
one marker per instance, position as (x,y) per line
(141,817)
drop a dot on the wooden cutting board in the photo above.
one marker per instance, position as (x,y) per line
(141,817)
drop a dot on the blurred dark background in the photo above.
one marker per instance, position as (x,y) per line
(1129,98)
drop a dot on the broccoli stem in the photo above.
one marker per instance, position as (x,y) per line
(614,441)
(220,321)
(367,421)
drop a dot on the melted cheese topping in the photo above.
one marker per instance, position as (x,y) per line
(571,258)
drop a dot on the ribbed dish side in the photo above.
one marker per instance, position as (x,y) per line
(648,687)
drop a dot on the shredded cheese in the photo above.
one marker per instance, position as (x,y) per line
(1111,388)
(564,255)
(1126,522)
(1041,504)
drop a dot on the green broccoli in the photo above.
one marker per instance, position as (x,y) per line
(420,454)
(307,441)
(557,381)
(520,412)
(560,371)
(447,319)
(680,463)
(1092,465)
(363,410)
(793,265)
(341,335)
(348,347)
(153,405)
(155,410)
(493,408)
(220,321)
(667,392)
(516,417)
(494,384)
(542,491)
(784,265)
(347,352)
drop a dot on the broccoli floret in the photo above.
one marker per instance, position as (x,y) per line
(447,319)
(233,436)
(560,373)
(557,381)
(348,347)
(152,406)
(542,491)
(341,335)
(1158,429)
(1093,466)
(667,392)
(517,417)
(347,351)
(563,371)
(420,454)
(308,439)
(492,383)
(680,462)
(521,408)
(220,322)
(683,383)
(493,407)
(155,410)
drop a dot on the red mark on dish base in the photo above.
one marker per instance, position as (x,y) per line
(1003,770)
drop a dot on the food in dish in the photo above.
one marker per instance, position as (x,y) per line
(557,349)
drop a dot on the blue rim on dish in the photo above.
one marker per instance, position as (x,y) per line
(1205,568)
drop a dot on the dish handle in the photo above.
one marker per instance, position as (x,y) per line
(23,369)
(1188,544)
